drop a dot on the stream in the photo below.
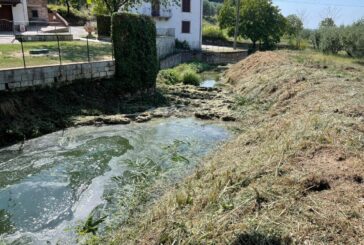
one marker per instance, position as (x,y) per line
(51,185)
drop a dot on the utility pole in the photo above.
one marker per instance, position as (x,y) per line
(236,21)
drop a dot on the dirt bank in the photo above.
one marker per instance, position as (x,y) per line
(294,175)
(32,113)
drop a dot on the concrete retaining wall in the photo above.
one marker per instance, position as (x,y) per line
(215,58)
(15,79)
(20,78)
(165,46)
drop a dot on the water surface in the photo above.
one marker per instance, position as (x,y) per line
(55,182)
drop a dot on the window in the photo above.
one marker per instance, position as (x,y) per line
(155,8)
(186,27)
(35,13)
(186,5)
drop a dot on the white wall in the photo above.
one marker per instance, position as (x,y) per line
(20,13)
(194,38)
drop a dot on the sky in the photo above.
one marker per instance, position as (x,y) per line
(313,11)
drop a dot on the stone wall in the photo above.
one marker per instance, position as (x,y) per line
(20,78)
(15,79)
(41,7)
(215,58)
(45,37)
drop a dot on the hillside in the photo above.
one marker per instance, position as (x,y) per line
(292,175)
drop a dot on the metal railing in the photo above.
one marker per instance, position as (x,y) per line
(41,45)
(163,12)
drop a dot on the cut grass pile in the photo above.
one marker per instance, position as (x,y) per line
(71,51)
(294,173)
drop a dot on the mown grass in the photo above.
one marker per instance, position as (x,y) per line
(293,175)
(71,51)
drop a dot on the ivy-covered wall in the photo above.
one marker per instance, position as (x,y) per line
(135,51)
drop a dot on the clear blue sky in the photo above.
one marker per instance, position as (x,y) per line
(343,11)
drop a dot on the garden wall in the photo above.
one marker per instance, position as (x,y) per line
(45,37)
(215,58)
(15,79)
(165,46)
(20,78)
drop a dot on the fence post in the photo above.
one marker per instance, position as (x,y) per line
(59,51)
(22,50)
(112,49)
(88,50)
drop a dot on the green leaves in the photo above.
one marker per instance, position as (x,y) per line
(91,226)
(136,62)
(260,21)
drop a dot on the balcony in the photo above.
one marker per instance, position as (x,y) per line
(9,2)
(167,32)
(162,13)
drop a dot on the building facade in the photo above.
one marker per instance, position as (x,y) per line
(17,14)
(182,19)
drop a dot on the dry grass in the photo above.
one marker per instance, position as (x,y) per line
(293,175)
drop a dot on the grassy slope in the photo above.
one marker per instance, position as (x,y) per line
(71,51)
(294,173)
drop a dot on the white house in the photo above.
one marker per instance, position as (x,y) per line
(16,13)
(183,19)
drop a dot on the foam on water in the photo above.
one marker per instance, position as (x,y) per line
(58,180)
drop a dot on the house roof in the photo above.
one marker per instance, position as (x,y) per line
(9,2)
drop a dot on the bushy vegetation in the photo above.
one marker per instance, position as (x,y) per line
(214,33)
(332,39)
(135,50)
(211,8)
(73,15)
(182,45)
(103,25)
(191,78)
(260,21)
(184,73)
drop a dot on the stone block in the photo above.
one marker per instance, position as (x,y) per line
(14,85)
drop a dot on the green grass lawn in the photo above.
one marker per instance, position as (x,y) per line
(71,51)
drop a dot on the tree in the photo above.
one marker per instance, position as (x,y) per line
(327,22)
(294,28)
(260,21)
(209,9)
(294,25)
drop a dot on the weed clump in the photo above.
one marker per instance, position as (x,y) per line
(184,73)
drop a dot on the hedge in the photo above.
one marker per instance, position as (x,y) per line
(135,51)
(103,25)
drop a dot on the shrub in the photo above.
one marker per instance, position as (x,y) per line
(330,40)
(135,50)
(184,73)
(75,17)
(182,45)
(103,25)
(353,39)
(191,77)
(168,76)
(315,39)
(213,33)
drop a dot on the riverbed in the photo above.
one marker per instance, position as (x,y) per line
(51,185)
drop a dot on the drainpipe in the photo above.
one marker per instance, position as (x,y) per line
(201,13)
